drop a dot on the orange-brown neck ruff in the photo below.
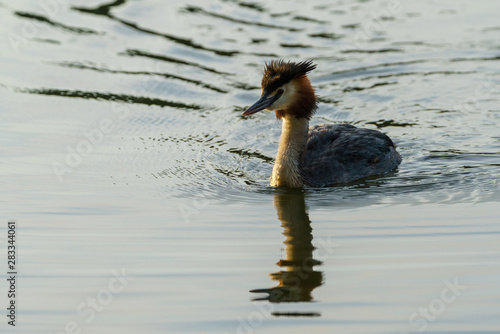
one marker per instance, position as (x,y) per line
(304,104)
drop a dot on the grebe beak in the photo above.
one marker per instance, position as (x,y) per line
(262,103)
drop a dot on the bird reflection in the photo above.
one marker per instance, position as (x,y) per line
(297,279)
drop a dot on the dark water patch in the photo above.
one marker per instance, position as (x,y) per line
(481,166)
(280,14)
(110,97)
(445,111)
(46,40)
(372,51)
(250,5)
(308,19)
(326,35)
(244,153)
(243,86)
(102,9)
(388,123)
(202,138)
(164,75)
(408,43)
(460,154)
(297,45)
(40,18)
(437,110)
(199,10)
(353,89)
(326,100)
(259,40)
(351,26)
(474,59)
(139,53)
(296,314)
(263,54)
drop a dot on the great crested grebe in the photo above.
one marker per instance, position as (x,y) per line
(321,155)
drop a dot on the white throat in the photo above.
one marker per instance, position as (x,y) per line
(286,170)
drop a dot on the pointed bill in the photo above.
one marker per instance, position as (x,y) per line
(262,103)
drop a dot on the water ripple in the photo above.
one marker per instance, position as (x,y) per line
(139,53)
(164,75)
(105,11)
(109,97)
(40,18)
(199,10)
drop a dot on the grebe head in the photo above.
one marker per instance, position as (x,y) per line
(287,90)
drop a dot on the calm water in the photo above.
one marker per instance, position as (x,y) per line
(142,195)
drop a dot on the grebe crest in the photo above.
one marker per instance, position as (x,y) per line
(323,155)
(287,90)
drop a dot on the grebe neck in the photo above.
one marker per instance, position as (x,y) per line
(286,170)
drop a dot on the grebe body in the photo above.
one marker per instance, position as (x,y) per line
(322,155)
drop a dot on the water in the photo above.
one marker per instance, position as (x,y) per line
(142,195)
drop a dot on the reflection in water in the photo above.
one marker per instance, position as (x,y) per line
(298,279)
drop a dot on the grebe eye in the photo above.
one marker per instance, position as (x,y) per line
(280,91)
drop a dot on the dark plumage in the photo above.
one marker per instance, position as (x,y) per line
(342,153)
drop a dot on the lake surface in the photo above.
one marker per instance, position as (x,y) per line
(141,194)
